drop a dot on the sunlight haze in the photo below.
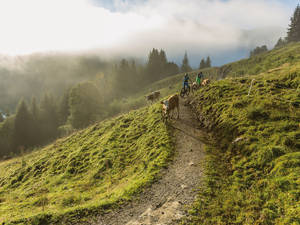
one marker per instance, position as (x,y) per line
(133,27)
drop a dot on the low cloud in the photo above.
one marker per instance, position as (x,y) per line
(132,28)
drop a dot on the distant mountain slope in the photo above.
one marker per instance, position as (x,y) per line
(92,169)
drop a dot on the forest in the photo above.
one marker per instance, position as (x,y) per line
(43,97)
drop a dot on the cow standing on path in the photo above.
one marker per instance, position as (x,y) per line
(169,106)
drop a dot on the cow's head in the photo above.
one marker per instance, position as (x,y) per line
(165,107)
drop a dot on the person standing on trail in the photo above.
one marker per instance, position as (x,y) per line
(199,78)
(186,81)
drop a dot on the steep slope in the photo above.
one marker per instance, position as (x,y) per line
(164,202)
(88,172)
(253,166)
(263,62)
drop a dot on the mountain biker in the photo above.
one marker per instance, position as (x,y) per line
(186,81)
(199,78)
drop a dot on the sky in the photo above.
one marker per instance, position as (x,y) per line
(223,29)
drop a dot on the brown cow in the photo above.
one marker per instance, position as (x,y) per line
(170,105)
(153,96)
(205,82)
(194,86)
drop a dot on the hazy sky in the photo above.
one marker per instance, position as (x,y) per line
(133,27)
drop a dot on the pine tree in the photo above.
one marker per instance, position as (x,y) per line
(35,124)
(124,79)
(185,67)
(258,50)
(135,81)
(7,137)
(48,118)
(157,65)
(171,69)
(202,64)
(208,62)
(85,105)
(162,59)
(1,117)
(280,43)
(63,108)
(23,122)
(153,65)
(34,109)
(293,34)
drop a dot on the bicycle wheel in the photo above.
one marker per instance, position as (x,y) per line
(182,92)
(188,90)
(194,89)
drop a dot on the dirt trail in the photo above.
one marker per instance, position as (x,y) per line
(164,202)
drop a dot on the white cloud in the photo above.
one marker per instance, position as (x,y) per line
(175,25)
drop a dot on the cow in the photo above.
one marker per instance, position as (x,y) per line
(170,105)
(194,86)
(153,96)
(205,82)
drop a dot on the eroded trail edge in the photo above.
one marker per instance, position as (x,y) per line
(164,202)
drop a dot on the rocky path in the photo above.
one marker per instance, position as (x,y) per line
(164,202)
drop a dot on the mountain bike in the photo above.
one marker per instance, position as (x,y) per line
(185,91)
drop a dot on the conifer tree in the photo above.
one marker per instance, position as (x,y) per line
(124,77)
(293,34)
(49,118)
(162,59)
(85,105)
(208,62)
(171,68)
(153,65)
(202,64)
(23,122)
(280,43)
(157,65)
(34,109)
(35,123)
(185,67)
(63,108)
(258,50)
(7,137)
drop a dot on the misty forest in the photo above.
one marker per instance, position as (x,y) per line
(199,130)
(47,96)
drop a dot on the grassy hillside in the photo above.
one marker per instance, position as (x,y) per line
(86,173)
(253,165)
(167,86)
(276,60)
(256,139)
(262,62)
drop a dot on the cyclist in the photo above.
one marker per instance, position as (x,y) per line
(199,79)
(186,81)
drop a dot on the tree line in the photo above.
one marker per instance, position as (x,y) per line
(205,63)
(41,120)
(293,34)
